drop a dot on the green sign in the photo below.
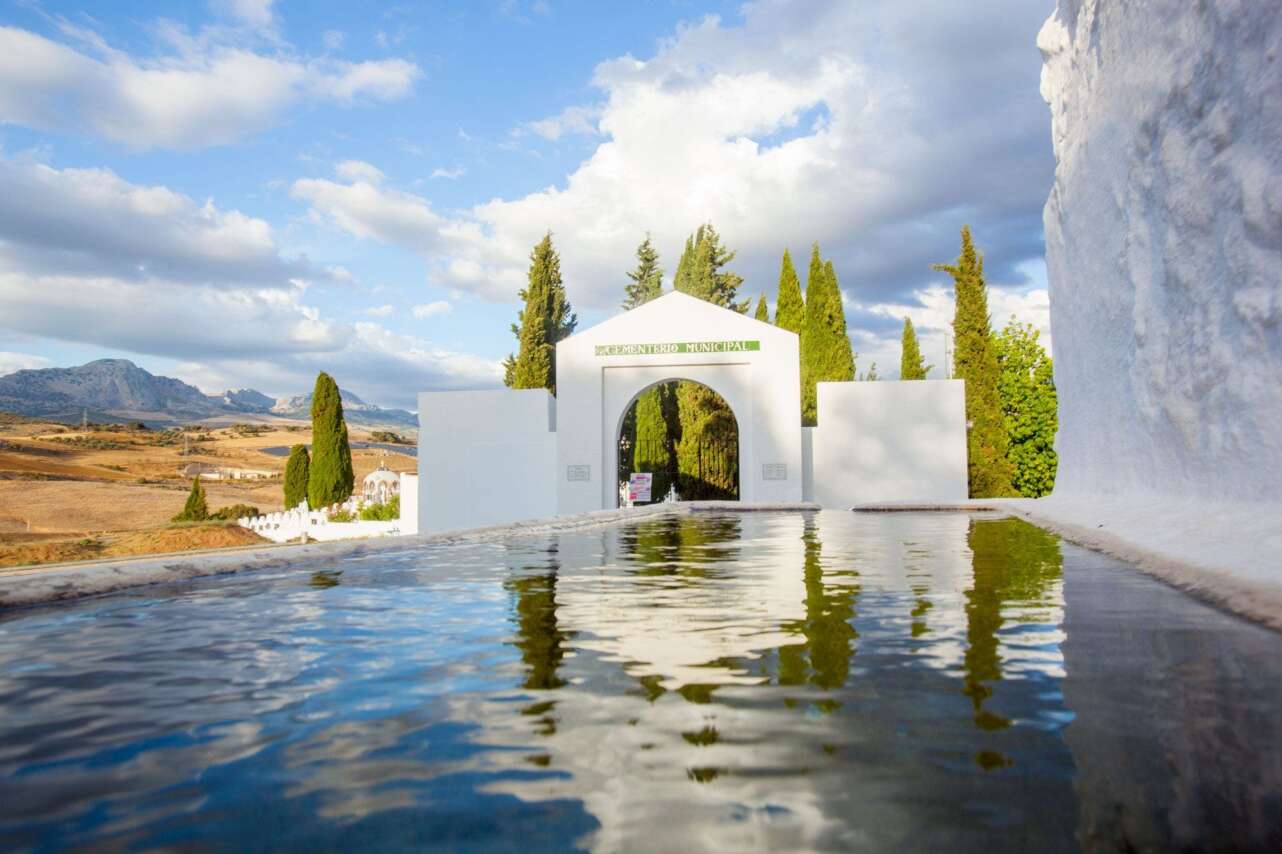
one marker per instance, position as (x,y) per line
(677,347)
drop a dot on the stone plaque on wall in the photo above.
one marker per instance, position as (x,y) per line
(774,471)
(580,473)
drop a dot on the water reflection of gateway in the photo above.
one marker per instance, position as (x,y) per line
(714,651)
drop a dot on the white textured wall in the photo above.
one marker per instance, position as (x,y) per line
(484,458)
(1164,246)
(890,442)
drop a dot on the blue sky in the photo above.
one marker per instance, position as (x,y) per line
(242,193)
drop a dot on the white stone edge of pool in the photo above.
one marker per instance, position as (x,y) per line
(1224,554)
(43,584)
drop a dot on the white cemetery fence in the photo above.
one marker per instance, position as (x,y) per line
(291,524)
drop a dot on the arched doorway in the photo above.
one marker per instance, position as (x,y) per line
(686,437)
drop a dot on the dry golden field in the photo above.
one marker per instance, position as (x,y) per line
(59,485)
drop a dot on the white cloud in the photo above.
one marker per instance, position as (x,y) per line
(333,39)
(384,310)
(449,174)
(571,120)
(359,170)
(209,91)
(10,362)
(163,318)
(92,222)
(90,259)
(432,309)
(257,13)
(857,125)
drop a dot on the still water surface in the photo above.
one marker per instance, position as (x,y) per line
(708,682)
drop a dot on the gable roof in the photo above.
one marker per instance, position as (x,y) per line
(675,310)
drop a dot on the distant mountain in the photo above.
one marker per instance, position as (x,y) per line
(117,389)
(104,386)
(246,400)
(355,410)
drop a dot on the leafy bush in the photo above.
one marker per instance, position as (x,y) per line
(342,516)
(389,511)
(232,512)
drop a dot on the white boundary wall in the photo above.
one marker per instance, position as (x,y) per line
(485,457)
(287,525)
(890,441)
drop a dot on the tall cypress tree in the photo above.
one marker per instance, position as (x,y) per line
(975,361)
(763,310)
(911,364)
(646,425)
(702,270)
(546,319)
(707,427)
(296,476)
(790,311)
(826,355)
(647,278)
(330,478)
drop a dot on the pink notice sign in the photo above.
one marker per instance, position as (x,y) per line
(639,486)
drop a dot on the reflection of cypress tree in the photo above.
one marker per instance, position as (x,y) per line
(824,658)
(681,545)
(1013,562)
(538,637)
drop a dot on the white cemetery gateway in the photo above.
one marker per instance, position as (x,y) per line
(489,457)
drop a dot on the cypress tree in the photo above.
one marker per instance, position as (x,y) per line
(330,478)
(911,364)
(195,510)
(763,310)
(790,311)
(1030,406)
(701,271)
(647,278)
(706,426)
(296,476)
(645,424)
(826,355)
(654,449)
(975,361)
(546,318)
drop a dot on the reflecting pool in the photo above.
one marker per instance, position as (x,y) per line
(787,681)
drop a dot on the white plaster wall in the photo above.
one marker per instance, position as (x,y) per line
(485,457)
(762,387)
(1164,247)
(890,441)
(409,503)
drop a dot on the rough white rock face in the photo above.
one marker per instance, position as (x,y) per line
(1164,246)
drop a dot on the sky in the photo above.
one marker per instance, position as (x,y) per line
(241,193)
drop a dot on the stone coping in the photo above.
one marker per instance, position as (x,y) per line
(47,583)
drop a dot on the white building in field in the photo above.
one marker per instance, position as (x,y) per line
(488,457)
(380,485)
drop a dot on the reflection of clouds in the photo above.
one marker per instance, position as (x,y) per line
(698,683)
(672,623)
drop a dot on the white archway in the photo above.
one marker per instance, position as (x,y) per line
(612,446)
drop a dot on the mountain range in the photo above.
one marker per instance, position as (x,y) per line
(117,389)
